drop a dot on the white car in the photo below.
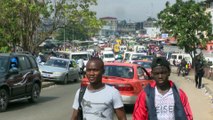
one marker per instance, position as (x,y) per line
(108,56)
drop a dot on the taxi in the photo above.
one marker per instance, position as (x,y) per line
(128,78)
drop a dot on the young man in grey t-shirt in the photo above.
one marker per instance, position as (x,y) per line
(100,101)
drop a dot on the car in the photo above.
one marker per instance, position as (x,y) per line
(135,56)
(60,70)
(108,56)
(144,63)
(128,78)
(20,79)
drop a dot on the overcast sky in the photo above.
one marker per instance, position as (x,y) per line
(130,10)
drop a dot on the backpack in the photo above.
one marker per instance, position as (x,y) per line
(81,95)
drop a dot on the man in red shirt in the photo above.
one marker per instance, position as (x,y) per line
(161,100)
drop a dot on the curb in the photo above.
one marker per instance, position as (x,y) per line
(47,84)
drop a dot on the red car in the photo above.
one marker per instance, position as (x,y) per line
(128,78)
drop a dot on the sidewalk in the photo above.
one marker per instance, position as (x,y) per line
(206,83)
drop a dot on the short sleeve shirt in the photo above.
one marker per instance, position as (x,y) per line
(100,104)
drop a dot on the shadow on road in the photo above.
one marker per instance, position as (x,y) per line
(24,103)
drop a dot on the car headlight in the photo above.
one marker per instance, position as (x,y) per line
(58,73)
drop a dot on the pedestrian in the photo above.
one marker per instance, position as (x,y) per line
(100,101)
(199,71)
(161,99)
(174,62)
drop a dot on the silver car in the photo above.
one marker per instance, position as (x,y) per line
(59,70)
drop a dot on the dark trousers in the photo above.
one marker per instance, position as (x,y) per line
(198,80)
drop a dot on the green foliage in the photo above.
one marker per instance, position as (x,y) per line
(27,23)
(82,23)
(188,22)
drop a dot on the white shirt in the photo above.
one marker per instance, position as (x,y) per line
(100,104)
(164,105)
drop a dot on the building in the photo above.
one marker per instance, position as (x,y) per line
(110,26)
(150,27)
(126,28)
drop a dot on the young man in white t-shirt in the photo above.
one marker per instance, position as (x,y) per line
(100,101)
(161,100)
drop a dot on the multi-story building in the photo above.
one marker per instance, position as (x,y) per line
(125,28)
(110,26)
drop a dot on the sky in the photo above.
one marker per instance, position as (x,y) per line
(130,10)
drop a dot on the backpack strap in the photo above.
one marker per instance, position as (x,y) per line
(81,95)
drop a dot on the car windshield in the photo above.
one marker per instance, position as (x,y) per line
(146,58)
(141,57)
(144,64)
(108,55)
(57,63)
(137,56)
(174,56)
(3,64)
(80,56)
(119,71)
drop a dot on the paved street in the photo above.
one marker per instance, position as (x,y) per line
(56,103)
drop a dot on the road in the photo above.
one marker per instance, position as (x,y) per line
(56,103)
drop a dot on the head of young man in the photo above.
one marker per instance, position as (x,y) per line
(95,70)
(161,71)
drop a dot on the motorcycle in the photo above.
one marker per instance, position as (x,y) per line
(183,70)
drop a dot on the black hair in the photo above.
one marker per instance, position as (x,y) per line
(160,61)
(98,60)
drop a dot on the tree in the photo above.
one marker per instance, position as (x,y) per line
(188,22)
(81,29)
(27,23)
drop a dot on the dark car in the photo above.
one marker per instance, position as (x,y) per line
(19,79)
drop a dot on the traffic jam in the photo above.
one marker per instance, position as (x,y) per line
(127,66)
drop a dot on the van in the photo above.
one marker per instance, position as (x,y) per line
(84,55)
(178,57)
(131,56)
